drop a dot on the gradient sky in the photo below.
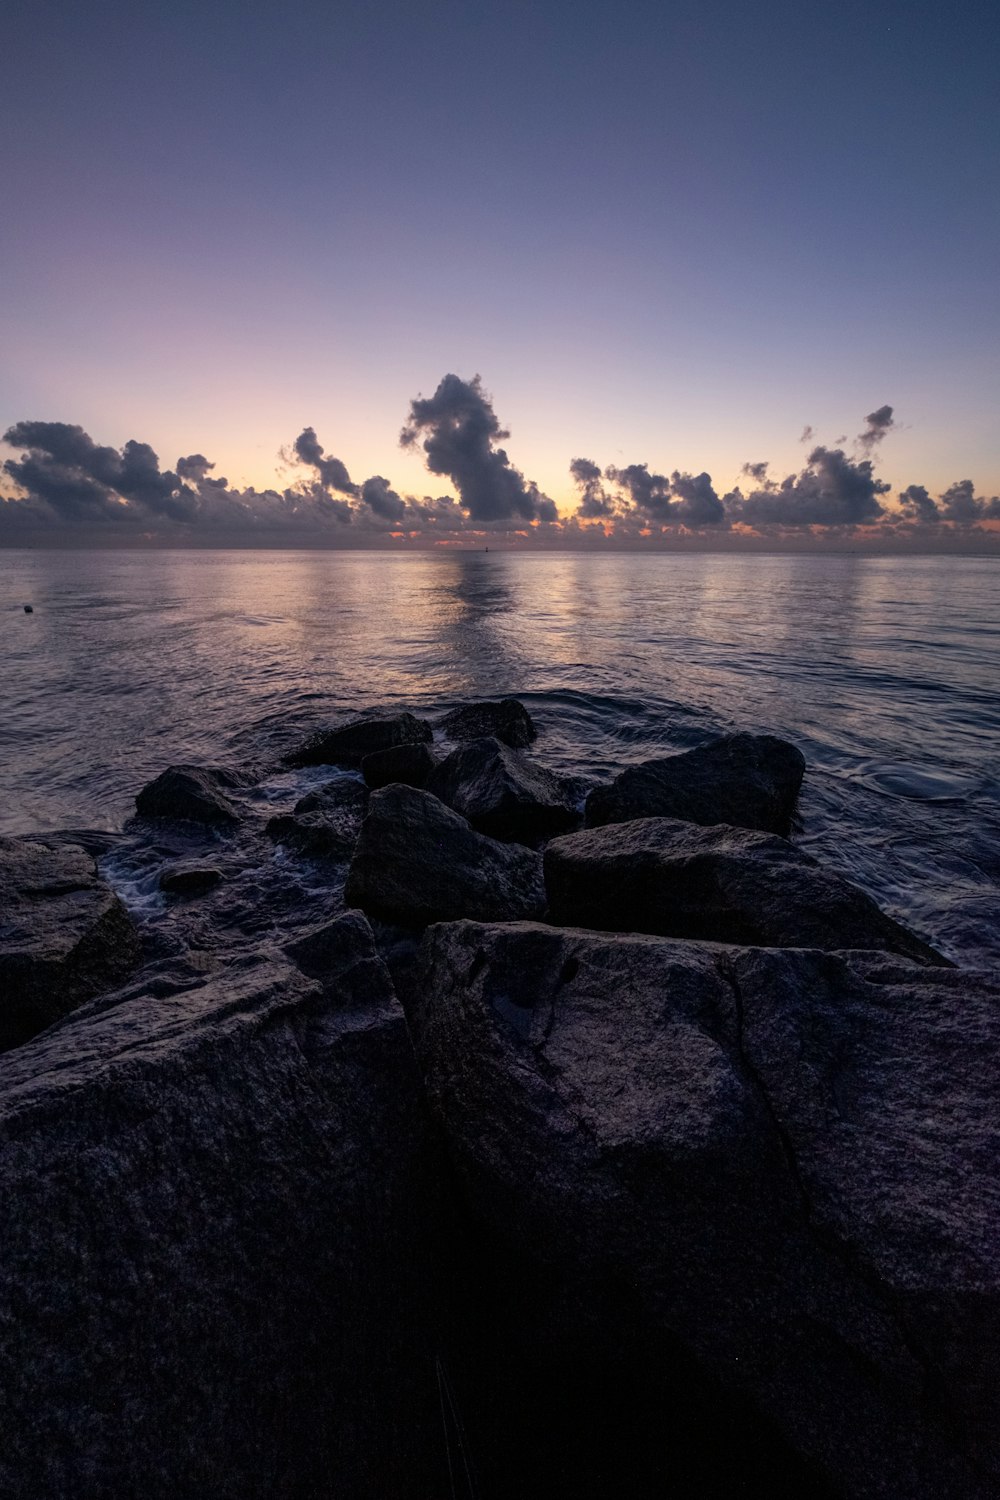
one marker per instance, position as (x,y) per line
(663,233)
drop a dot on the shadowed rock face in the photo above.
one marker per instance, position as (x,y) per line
(64,935)
(748,781)
(325,823)
(787,1159)
(217,1270)
(192,794)
(729,885)
(416,862)
(348,744)
(410,765)
(503,793)
(508,721)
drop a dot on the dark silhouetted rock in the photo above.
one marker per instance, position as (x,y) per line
(416,862)
(189,880)
(508,720)
(192,794)
(217,1244)
(785,1160)
(348,744)
(730,885)
(503,793)
(749,781)
(409,765)
(64,935)
(326,822)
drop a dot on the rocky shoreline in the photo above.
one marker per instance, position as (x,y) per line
(438,1126)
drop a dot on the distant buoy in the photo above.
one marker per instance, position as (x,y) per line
(29,609)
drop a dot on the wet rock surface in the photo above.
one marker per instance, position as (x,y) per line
(749,781)
(787,1158)
(193,794)
(507,720)
(410,765)
(189,880)
(231,1293)
(729,885)
(348,744)
(504,794)
(64,935)
(416,862)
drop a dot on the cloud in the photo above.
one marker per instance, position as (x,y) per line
(332,473)
(698,504)
(686,500)
(877,424)
(757,472)
(595,501)
(832,490)
(917,505)
(807,434)
(63,468)
(382,500)
(459,429)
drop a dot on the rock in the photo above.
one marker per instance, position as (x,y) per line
(326,822)
(410,765)
(218,1243)
(343,799)
(508,721)
(416,862)
(729,885)
(189,880)
(784,1160)
(504,794)
(749,781)
(64,935)
(192,794)
(348,744)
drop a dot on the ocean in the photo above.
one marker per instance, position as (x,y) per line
(884,671)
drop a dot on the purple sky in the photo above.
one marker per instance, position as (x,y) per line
(666,235)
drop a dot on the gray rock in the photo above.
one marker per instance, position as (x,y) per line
(410,765)
(192,794)
(416,862)
(507,720)
(189,880)
(787,1158)
(749,781)
(729,885)
(504,794)
(348,744)
(217,1244)
(64,935)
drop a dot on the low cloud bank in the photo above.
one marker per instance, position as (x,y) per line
(62,484)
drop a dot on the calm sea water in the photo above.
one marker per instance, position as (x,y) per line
(886,672)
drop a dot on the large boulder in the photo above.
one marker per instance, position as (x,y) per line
(503,793)
(784,1160)
(730,885)
(348,744)
(64,935)
(192,794)
(217,1248)
(410,765)
(507,720)
(750,781)
(416,862)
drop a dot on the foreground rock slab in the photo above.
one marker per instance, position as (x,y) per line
(788,1158)
(64,935)
(409,764)
(417,862)
(729,885)
(507,720)
(215,1253)
(503,793)
(749,781)
(348,744)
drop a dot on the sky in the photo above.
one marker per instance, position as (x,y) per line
(666,234)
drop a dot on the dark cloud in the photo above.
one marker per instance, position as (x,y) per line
(961,503)
(877,424)
(681,500)
(697,502)
(757,472)
(459,429)
(807,434)
(832,490)
(79,480)
(382,500)
(648,493)
(917,505)
(332,473)
(595,501)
